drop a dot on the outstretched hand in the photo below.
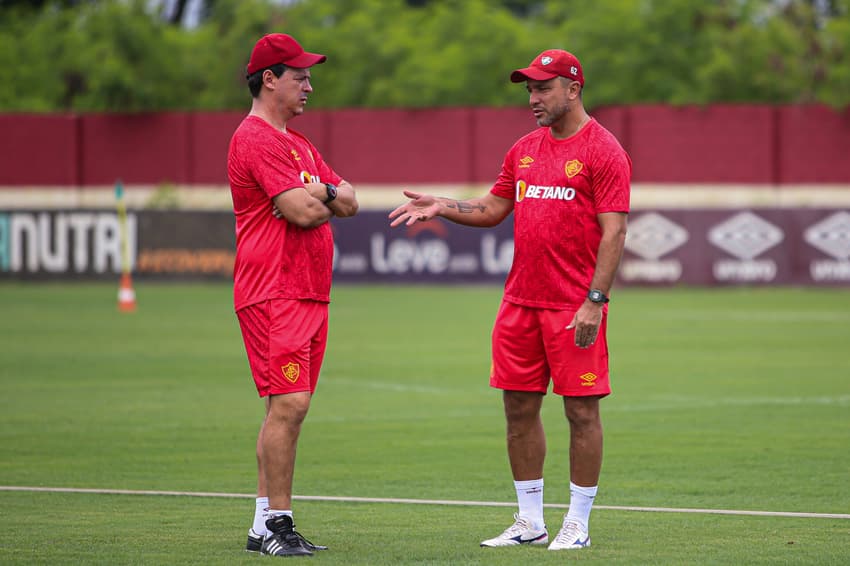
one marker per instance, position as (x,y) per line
(420,208)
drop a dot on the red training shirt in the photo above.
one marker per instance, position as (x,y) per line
(274,258)
(558,187)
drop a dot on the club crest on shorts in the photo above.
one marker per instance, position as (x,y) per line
(573,168)
(291,371)
(588,379)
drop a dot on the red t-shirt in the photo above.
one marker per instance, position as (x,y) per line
(558,187)
(274,258)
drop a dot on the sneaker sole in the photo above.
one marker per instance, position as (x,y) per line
(533,542)
(573,547)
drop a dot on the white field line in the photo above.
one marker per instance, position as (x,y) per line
(422,501)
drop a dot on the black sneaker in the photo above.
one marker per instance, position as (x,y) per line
(255,541)
(307,544)
(282,539)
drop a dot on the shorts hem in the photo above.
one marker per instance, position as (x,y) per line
(523,389)
(288,391)
(582,393)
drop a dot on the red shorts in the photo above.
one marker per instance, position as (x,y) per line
(285,341)
(532,346)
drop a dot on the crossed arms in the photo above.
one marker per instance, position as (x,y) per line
(305,207)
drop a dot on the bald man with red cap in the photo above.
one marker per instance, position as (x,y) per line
(567,184)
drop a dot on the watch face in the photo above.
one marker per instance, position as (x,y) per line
(596,296)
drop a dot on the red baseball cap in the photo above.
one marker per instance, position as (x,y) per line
(281,48)
(550,64)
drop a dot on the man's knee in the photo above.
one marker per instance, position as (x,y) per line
(582,411)
(290,408)
(522,406)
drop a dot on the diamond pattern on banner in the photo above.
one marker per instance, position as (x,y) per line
(652,235)
(745,235)
(831,235)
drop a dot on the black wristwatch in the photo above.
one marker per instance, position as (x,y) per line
(331,192)
(597,296)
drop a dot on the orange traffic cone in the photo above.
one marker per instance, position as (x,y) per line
(126,294)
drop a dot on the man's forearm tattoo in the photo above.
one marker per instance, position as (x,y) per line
(465,207)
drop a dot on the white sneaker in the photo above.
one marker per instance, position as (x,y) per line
(571,535)
(521,532)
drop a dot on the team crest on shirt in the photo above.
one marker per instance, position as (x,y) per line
(295,155)
(588,379)
(573,168)
(526,162)
(291,371)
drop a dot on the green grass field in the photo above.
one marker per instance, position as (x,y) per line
(735,399)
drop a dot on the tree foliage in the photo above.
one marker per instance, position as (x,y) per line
(123,55)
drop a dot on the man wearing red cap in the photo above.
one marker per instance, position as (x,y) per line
(568,185)
(283,196)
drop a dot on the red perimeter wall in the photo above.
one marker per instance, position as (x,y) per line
(746,144)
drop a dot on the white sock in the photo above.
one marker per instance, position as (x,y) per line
(581,500)
(529,495)
(261,513)
(276,512)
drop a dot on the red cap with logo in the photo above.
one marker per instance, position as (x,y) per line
(550,64)
(281,48)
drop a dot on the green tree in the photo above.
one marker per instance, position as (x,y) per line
(130,60)
(122,55)
(682,51)
(220,49)
(33,75)
(833,85)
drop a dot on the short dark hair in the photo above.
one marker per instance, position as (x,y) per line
(568,80)
(255,80)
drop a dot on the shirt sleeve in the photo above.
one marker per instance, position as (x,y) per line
(326,173)
(273,168)
(504,186)
(612,180)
